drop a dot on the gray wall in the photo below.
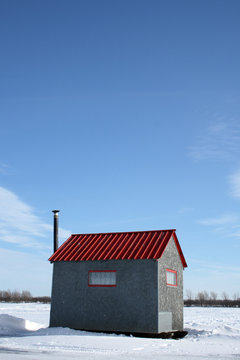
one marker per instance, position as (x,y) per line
(131,306)
(171,298)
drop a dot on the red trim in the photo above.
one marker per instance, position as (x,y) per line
(90,285)
(179,250)
(172,271)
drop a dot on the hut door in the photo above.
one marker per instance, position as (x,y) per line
(164,322)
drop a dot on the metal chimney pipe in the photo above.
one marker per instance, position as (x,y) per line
(55,230)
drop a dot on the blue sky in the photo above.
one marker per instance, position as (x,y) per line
(124,115)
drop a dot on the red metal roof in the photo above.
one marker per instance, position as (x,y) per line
(116,246)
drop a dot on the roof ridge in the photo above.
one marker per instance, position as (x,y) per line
(123,232)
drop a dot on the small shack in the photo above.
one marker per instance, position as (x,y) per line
(125,282)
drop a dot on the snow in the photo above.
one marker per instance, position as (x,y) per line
(214,333)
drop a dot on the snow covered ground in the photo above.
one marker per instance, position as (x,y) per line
(214,333)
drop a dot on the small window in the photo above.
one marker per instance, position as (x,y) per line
(102,278)
(171,277)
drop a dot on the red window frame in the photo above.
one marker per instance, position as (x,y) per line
(99,285)
(171,271)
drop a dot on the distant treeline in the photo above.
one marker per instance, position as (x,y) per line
(220,303)
(203,298)
(22,296)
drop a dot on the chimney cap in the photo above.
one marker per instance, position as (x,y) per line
(55,211)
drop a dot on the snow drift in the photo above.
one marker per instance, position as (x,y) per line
(213,333)
(14,326)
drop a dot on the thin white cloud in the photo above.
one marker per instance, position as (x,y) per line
(220,141)
(185,210)
(235,184)
(225,219)
(4,168)
(226,225)
(19,225)
(202,264)
(235,234)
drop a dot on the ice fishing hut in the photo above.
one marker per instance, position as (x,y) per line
(127,282)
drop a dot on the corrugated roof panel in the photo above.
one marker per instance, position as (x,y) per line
(97,250)
(83,247)
(149,245)
(63,251)
(115,246)
(90,251)
(112,246)
(142,246)
(102,244)
(155,245)
(74,250)
(118,246)
(123,252)
(136,242)
(129,248)
(104,255)
(162,245)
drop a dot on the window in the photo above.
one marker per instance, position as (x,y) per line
(102,278)
(171,277)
